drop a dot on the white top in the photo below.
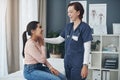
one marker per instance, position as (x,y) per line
(59,39)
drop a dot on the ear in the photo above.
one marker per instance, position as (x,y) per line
(78,12)
(32,31)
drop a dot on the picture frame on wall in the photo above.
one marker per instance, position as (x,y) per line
(97,18)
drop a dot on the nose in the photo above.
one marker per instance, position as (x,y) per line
(68,14)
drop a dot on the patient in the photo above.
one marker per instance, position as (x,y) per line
(36,66)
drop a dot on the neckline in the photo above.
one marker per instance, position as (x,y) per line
(76,27)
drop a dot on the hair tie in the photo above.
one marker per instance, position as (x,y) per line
(28,36)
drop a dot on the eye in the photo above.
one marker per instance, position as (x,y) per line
(40,26)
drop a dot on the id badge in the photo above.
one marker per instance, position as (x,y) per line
(75,38)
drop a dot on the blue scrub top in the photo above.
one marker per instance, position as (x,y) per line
(74,42)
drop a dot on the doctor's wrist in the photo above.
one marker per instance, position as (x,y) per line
(85,65)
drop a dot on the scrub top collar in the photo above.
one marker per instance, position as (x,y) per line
(74,30)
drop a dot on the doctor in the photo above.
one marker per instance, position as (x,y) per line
(77,36)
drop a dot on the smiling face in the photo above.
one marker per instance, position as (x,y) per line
(38,32)
(75,11)
(72,13)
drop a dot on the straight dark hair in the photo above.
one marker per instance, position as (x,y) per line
(78,7)
(31,26)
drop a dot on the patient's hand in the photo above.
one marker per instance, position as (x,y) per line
(41,41)
(54,71)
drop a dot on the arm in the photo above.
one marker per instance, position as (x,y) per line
(87,47)
(48,64)
(57,40)
(53,70)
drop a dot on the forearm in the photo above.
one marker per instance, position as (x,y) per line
(48,64)
(87,47)
(56,40)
